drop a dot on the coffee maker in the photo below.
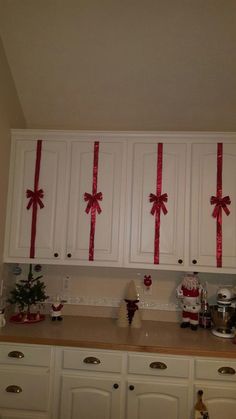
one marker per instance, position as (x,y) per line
(223,314)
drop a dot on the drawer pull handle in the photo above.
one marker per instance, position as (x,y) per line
(158,365)
(16,354)
(226,371)
(92,360)
(13,389)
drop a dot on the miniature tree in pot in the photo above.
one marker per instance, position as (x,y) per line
(27,293)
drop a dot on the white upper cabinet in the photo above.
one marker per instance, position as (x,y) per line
(156,235)
(213,238)
(97,173)
(154,200)
(67,228)
(36,231)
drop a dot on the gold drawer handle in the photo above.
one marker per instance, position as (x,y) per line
(226,371)
(13,389)
(16,354)
(158,365)
(92,360)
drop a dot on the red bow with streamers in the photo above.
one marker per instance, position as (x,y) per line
(158,200)
(220,203)
(158,203)
(93,201)
(35,198)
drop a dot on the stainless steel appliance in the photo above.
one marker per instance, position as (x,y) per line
(223,314)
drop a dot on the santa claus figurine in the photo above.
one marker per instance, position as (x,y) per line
(189,291)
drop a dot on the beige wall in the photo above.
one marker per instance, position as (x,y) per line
(11,116)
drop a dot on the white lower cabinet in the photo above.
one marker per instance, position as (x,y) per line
(43,382)
(217,379)
(150,399)
(91,386)
(25,381)
(157,386)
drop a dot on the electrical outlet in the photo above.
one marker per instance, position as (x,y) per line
(66,285)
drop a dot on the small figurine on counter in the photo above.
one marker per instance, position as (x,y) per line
(2,317)
(189,291)
(57,306)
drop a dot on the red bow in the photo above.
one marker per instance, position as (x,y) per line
(35,197)
(93,201)
(220,203)
(158,203)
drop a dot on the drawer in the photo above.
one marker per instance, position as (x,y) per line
(156,365)
(25,355)
(92,360)
(209,369)
(32,387)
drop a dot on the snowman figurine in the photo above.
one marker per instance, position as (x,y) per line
(189,292)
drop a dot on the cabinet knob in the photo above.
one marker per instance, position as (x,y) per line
(180,261)
(16,354)
(194,261)
(92,360)
(226,371)
(131,387)
(56,255)
(158,365)
(13,389)
(115,385)
(69,255)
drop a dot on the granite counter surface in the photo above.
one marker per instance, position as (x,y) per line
(103,333)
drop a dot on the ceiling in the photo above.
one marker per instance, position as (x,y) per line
(123,64)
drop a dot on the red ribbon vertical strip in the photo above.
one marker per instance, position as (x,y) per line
(93,204)
(158,203)
(220,204)
(219,196)
(35,198)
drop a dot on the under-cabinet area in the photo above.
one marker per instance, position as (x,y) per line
(124,199)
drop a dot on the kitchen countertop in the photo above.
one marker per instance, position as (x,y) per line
(103,333)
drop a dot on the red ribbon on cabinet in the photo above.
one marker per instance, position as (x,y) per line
(220,204)
(35,198)
(158,203)
(92,199)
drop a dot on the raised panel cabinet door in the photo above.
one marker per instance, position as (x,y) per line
(157,400)
(220,400)
(145,175)
(205,236)
(97,170)
(50,219)
(90,398)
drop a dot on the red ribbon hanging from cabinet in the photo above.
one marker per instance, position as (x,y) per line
(92,199)
(158,201)
(220,204)
(35,198)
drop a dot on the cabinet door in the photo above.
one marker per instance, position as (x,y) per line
(157,400)
(50,218)
(110,182)
(144,182)
(220,401)
(203,224)
(90,397)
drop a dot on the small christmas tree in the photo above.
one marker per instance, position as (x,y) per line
(28,292)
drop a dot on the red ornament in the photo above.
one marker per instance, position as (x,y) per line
(147,280)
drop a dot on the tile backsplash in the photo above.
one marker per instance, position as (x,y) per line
(98,291)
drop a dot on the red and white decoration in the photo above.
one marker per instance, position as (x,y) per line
(92,199)
(158,201)
(220,203)
(189,291)
(35,198)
